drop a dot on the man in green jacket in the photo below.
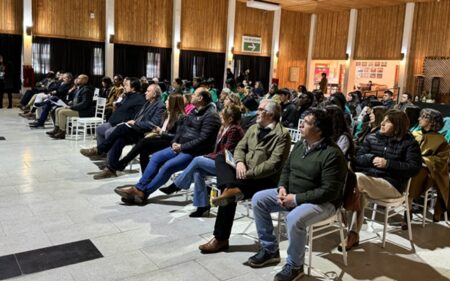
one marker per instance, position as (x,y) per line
(310,189)
(259,158)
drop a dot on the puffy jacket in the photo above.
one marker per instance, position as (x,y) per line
(198,133)
(403,158)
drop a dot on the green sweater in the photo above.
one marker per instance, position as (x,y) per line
(317,177)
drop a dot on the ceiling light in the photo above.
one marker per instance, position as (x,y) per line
(262,5)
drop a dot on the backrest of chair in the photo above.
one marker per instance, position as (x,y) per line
(295,135)
(100,107)
(96,93)
(406,192)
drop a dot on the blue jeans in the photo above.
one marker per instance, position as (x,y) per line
(162,165)
(200,167)
(297,220)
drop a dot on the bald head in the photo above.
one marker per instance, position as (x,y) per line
(82,79)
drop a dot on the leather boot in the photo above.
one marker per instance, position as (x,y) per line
(52,132)
(214,246)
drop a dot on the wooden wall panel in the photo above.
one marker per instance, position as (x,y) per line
(11,15)
(204,25)
(379,33)
(294,38)
(144,22)
(253,22)
(69,19)
(331,36)
(430,36)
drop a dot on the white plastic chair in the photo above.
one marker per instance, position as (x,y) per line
(329,225)
(83,124)
(295,135)
(391,208)
(430,194)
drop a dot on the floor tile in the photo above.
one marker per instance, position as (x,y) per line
(57,256)
(9,267)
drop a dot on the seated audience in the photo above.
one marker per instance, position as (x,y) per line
(129,132)
(196,137)
(114,95)
(341,133)
(384,164)
(81,106)
(61,93)
(435,153)
(128,106)
(220,103)
(289,116)
(388,100)
(310,189)
(259,158)
(405,102)
(413,113)
(229,135)
(273,94)
(371,123)
(160,137)
(188,106)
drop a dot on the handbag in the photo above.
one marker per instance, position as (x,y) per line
(351,193)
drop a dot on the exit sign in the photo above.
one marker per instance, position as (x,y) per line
(251,44)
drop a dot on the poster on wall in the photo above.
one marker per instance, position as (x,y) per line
(373,69)
(319,69)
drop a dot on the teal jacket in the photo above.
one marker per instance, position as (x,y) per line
(316,177)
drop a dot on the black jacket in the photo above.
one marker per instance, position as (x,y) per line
(82,101)
(198,133)
(403,158)
(62,91)
(149,116)
(127,108)
(289,116)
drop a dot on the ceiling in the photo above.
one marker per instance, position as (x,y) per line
(318,6)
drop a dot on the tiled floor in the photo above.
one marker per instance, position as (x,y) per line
(48,197)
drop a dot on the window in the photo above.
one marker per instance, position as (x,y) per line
(153,64)
(41,58)
(198,67)
(98,62)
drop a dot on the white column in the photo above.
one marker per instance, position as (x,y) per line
(312,36)
(109,46)
(27,39)
(176,38)
(229,63)
(406,45)
(350,46)
(275,44)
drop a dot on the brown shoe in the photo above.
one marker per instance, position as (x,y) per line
(214,246)
(229,195)
(351,241)
(131,193)
(106,173)
(89,152)
(54,131)
(59,135)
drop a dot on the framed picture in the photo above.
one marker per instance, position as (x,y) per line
(364,63)
(380,70)
(379,75)
(370,64)
(373,75)
(358,63)
(377,64)
(383,64)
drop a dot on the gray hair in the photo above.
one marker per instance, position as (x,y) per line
(157,89)
(273,108)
